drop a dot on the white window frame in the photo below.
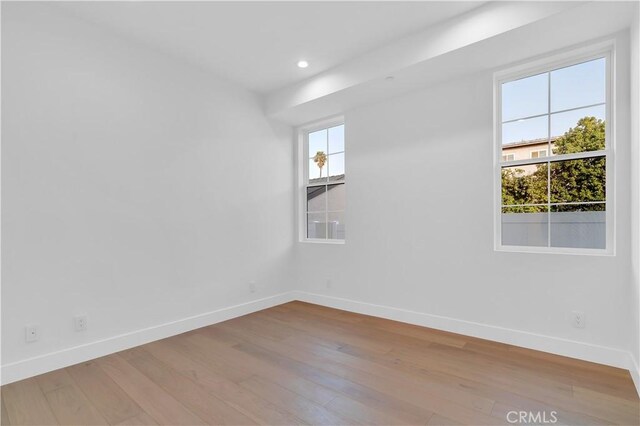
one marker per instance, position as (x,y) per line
(604,49)
(303,173)
(507,155)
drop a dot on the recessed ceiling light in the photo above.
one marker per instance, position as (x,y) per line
(303,64)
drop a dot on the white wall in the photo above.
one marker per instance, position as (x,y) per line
(420,226)
(635,190)
(136,190)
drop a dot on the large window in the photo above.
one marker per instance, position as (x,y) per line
(557,198)
(324,183)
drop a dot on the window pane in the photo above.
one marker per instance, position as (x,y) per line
(317,142)
(578,131)
(578,85)
(317,174)
(316,225)
(524,131)
(525,229)
(336,228)
(316,198)
(579,226)
(524,185)
(577,181)
(336,139)
(525,97)
(336,167)
(336,197)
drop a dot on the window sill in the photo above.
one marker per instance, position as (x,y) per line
(330,242)
(555,250)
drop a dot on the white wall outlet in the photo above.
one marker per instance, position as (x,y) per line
(329,283)
(80,322)
(578,319)
(32,333)
(252,286)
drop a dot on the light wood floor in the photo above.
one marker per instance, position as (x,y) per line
(304,364)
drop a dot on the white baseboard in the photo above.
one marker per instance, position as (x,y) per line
(570,348)
(52,361)
(635,373)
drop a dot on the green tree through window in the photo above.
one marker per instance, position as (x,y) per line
(571,181)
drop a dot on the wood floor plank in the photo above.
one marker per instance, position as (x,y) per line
(366,414)
(257,408)
(109,398)
(553,359)
(393,377)
(605,403)
(619,386)
(383,331)
(395,327)
(54,380)
(396,407)
(405,344)
(438,420)
(71,407)
(300,363)
(192,395)
(479,388)
(328,312)
(557,368)
(211,354)
(618,403)
(470,367)
(26,404)
(543,391)
(219,335)
(254,323)
(308,411)
(201,345)
(419,399)
(161,406)
(142,419)
(329,331)
(4,417)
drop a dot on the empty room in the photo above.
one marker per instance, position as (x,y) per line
(320,213)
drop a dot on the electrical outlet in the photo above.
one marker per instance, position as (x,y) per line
(252,286)
(80,322)
(329,283)
(32,333)
(578,319)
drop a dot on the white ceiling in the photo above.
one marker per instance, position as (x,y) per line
(489,38)
(257,44)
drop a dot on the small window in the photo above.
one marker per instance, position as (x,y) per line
(508,157)
(538,154)
(324,184)
(556,199)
